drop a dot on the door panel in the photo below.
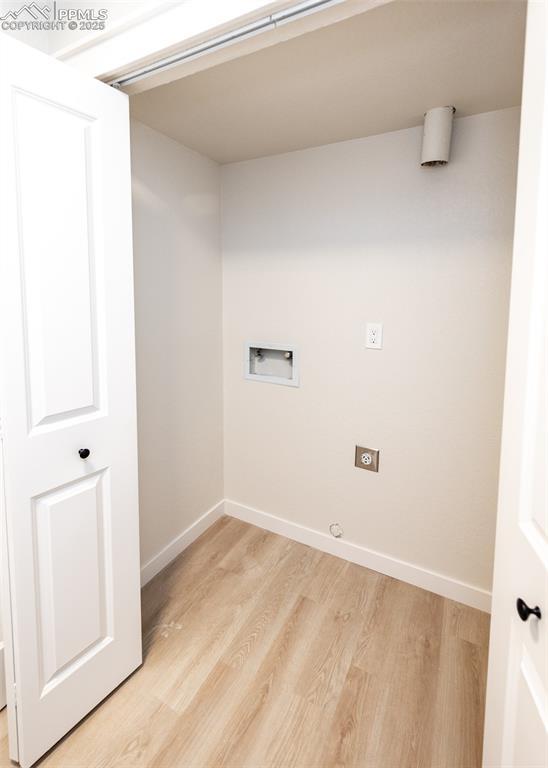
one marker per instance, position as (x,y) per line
(68,382)
(70,570)
(530,717)
(60,325)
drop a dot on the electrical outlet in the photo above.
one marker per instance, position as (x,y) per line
(374,336)
(367,458)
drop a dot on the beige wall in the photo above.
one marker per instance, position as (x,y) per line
(315,244)
(176,219)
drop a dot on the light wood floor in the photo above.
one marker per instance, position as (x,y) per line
(263,652)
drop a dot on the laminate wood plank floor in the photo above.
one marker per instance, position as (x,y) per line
(261,652)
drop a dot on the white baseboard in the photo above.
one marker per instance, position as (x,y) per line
(377,561)
(180,542)
(390,566)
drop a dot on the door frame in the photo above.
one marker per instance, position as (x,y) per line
(97,58)
(152,34)
(116,55)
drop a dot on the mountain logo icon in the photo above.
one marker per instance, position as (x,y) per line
(36,12)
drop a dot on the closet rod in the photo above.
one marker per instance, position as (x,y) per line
(267,22)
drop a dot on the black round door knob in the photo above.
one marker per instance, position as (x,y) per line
(524,611)
(84,453)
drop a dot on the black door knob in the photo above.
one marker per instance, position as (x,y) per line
(84,453)
(524,611)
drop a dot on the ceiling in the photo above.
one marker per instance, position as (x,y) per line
(375,72)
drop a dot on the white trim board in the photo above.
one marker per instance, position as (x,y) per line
(442,585)
(3,701)
(183,540)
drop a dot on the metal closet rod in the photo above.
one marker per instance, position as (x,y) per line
(266,22)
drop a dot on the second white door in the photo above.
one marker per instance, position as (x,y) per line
(516,730)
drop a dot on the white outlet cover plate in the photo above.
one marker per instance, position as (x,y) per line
(373,338)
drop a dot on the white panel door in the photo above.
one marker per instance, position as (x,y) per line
(67,388)
(516,730)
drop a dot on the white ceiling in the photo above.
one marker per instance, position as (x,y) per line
(375,72)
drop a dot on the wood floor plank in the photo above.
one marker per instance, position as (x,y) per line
(201,721)
(298,736)
(209,629)
(460,694)
(345,747)
(275,600)
(324,669)
(261,652)
(269,687)
(188,577)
